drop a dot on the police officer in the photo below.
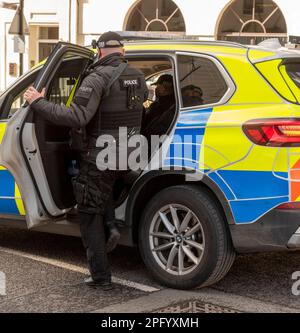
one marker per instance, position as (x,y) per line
(110,96)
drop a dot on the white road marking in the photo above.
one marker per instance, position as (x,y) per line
(77,269)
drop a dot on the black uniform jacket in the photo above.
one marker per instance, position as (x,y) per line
(88,96)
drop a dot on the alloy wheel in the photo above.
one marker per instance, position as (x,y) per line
(177,239)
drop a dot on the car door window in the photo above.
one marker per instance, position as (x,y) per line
(65,80)
(201,82)
(18,101)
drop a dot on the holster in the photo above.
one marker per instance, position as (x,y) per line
(78,140)
(80,188)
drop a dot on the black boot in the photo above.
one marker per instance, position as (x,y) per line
(103,284)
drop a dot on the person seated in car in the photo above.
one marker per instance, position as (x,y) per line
(160,114)
(192,96)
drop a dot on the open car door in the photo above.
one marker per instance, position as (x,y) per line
(36,152)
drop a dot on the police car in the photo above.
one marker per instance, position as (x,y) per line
(229,181)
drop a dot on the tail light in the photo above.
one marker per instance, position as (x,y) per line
(290,206)
(274,132)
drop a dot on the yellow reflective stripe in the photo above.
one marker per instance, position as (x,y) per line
(270,70)
(256,55)
(19,201)
(72,93)
(295,89)
(40,64)
(2,130)
(251,87)
(208,49)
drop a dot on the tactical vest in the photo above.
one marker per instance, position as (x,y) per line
(121,107)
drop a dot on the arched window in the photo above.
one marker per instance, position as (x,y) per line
(252,21)
(155,15)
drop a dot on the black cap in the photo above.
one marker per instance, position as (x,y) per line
(163,78)
(110,39)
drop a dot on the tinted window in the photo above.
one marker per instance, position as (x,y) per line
(294,72)
(200,81)
(65,79)
(59,90)
(18,101)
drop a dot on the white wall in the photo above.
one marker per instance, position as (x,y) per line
(37,13)
(102,15)
(201,15)
(48,12)
(5,17)
(291,12)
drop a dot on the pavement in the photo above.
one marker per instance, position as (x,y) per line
(44,273)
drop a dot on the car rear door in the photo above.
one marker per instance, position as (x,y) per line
(20,151)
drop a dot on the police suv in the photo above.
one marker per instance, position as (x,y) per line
(225,178)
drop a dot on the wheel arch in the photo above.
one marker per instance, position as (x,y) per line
(155,181)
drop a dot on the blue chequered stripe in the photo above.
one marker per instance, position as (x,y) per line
(7,194)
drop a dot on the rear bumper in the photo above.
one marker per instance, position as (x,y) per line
(279,230)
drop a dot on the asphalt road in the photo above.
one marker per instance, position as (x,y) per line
(44,273)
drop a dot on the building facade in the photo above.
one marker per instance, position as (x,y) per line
(80,21)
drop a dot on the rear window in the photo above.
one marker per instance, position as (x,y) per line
(201,82)
(283,77)
(293,71)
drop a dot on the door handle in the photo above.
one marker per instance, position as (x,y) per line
(32,151)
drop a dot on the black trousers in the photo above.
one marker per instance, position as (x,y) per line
(93,190)
(94,241)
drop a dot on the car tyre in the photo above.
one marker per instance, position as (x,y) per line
(177,256)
